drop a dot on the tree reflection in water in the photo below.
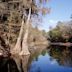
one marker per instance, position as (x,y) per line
(62,54)
(15,64)
(18,63)
(8,65)
(58,55)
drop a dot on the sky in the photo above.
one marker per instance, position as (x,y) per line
(61,10)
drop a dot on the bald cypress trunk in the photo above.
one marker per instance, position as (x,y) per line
(24,47)
(17,48)
(25,50)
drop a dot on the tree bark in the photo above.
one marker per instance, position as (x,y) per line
(17,48)
(25,60)
(25,50)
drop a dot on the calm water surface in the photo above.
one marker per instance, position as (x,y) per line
(52,59)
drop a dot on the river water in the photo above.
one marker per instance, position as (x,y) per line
(51,59)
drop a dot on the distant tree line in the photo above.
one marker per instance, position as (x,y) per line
(61,33)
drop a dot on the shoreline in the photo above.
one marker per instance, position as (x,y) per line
(68,44)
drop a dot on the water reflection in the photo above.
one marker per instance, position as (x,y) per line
(25,60)
(8,65)
(62,54)
(18,62)
(53,59)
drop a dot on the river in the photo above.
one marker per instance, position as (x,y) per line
(51,59)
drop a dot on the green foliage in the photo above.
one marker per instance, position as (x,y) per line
(62,32)
(55,34)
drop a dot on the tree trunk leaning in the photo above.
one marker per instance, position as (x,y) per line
(25,50)
(17,48)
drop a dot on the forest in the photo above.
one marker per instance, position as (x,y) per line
(16,31)
(61,33)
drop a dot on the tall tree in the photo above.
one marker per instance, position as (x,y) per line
(25,50)
(29,8)
(17,11)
